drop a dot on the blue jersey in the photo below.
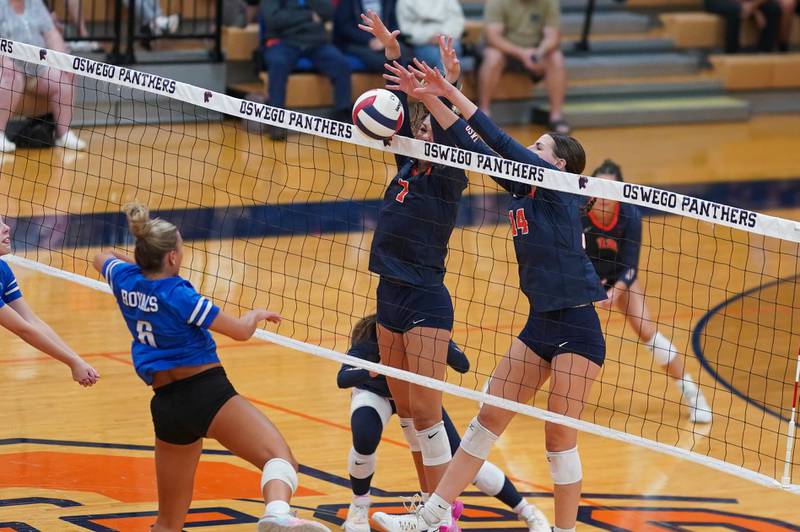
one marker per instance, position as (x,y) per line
(614,247)
(167,318)
(417,217)
(9,289)
(554,271)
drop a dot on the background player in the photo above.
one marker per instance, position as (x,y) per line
(371,407)
(173,352)
(19,318)
(613,237)
(415,311)
(562,339)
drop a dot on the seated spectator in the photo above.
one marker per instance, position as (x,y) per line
(29,21)
(152,18)
(423,21)
(765,13)
(295,29)
(360,44)
(788,10)
(524,36)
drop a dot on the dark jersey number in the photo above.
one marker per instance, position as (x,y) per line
(519,225)
(401,196)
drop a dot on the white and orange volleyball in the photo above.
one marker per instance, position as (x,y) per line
(378,114)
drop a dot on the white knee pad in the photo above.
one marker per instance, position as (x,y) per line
(478,440)
(565,466)
(663,350)
(434,445)
(490,479)
(410,433)
(360,465)
(279,469)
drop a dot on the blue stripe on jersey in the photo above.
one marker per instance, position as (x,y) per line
(9,289)
(167,319)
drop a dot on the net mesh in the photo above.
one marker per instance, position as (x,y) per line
(288,226)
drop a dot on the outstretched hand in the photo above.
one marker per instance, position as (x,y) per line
(452,65)
(401,79)
(372,24)
(433,84)
(262,314)
(84,374)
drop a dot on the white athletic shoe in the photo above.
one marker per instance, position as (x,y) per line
(403,522)
(161,25)
(535,519)
(289,522)
(699,411)
(357,518)
(70,141)
(84,46)
(6,146)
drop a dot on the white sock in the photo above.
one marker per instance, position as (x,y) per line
(362,500)
(424,496)
(518,509)
(278,507)
(436,510)
(687,386)
(556,529)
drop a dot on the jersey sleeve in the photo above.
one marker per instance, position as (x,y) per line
(631,246)
(8,285)
(113,269)
(192,307)
(350,376)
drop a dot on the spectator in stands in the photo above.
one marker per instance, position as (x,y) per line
(29,21)
(524,35)
(765,13)
(153,20)
(423,21)
(788,10)
(295,29)
(75,16)
(360,44)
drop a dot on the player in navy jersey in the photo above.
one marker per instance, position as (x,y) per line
(562,339)
(174,353)
(613,236)
(415,312)
(372,405)
(19,318)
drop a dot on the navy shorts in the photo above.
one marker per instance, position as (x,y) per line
(569,330)
(183,410)
(401,307)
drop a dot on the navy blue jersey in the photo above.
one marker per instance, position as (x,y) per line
(554,271)
(614,248)
(167,318)
(351,376)
(9,289)
(417,216)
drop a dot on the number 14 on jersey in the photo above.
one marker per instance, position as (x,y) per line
(519,224)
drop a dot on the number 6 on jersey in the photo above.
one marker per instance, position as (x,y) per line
(145,332)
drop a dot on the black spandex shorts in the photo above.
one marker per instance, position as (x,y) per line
(183,410)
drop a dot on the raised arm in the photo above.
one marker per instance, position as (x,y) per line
(631,245)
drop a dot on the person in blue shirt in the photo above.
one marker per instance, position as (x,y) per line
(409,246)
(562,339)
(371,406)
(613,237)
(20,319)
(174,353)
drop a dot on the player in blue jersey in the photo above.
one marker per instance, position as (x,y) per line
(415,311)
(19,318)
(174,353)
(613,236)
(372,405)
(562,339)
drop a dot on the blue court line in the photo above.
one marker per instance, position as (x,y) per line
(698,349)
(340,481)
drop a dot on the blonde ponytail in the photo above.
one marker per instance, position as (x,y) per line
(154,237)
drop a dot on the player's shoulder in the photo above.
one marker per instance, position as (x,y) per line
(5,270)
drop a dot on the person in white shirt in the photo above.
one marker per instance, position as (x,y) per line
(422,22)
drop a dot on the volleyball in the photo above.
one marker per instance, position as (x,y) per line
(378,114)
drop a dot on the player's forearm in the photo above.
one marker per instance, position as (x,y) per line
(444,116)
(40,339)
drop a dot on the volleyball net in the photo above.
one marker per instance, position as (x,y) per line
(288,226)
